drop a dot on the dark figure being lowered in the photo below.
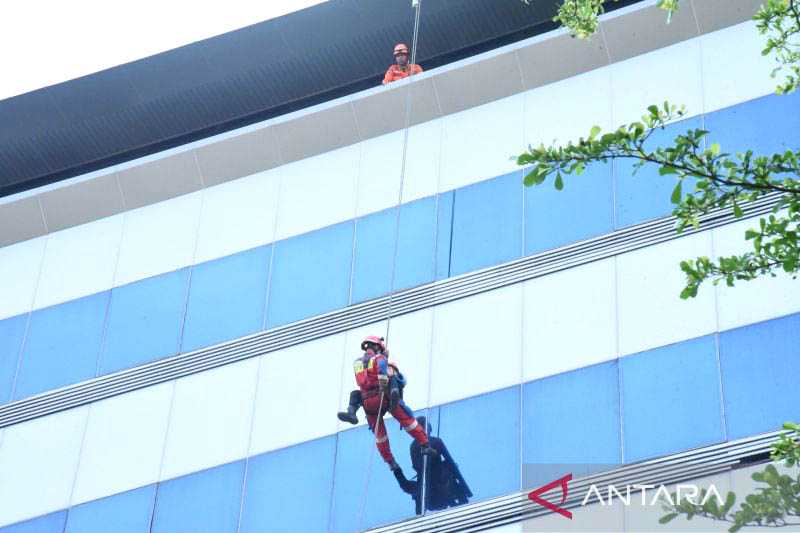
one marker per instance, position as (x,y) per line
(444,485)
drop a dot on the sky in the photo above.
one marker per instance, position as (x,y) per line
(44,42)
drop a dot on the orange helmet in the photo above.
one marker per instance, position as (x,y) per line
(400,48)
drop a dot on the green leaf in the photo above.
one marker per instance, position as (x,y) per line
(715,148)
(676,193)
(595,131)
(665,170)
(653,110)
(737,211)
(559,182)
(667,518)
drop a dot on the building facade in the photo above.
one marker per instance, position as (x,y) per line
(178,365)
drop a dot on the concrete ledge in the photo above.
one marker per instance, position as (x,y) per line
(449,89)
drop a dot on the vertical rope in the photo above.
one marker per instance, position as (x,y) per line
(407,121)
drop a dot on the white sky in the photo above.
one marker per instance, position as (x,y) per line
(44,42)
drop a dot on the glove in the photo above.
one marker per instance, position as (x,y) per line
(383,382)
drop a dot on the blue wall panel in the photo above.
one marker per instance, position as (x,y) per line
(62,345)
(51,523)
(311,274)
(290,489)
(487,223)
(646,195)
(482,434)
(365,493)
(444,234)
(563,412)
(765,125)
(144,321)
(227,298)
(583,209)
(760,365)
(12,333)
(671,399)
(205,502)
(374,254)
(129,512)
(418,238)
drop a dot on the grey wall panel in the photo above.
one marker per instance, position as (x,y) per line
(479,83)
(160,180)
(644,30)
(714,15)
(20,221)
(317,133)
(559,58)
(384,111)
(69,206)
(238,156)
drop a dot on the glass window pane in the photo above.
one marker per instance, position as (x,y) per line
(671,399)
(765,125)
(482,436)
(487,223)
(561,412)
(646,195)
(207,501)
(52,523)
(290,489)
(12,332)
(144,321)
(372,266)
(550,215)
(311,274)
(760,365)
(129,512)
(227,298)
(72,330)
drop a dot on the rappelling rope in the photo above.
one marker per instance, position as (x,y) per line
(412,61)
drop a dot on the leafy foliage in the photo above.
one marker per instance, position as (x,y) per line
(721,180)
(776,504)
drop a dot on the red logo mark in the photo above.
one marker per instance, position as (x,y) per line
(535,496)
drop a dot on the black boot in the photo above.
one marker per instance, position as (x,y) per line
(349,416)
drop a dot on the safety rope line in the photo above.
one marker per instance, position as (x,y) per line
(412,61)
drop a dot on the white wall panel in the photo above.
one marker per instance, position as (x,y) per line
(238,215)
(158,238)
(38,461)
(20,265)
(351,351)
(477,345)
(750,301)
(651,312)
(79,261)
(478,143)
(570,320)
(410,343)
(379,173)
(566,110)
(423,160)
(297,394)
(210,420)
(318,191)
(734,70)
(671,73)
(124,443)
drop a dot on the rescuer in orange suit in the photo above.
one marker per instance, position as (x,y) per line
(401,68)
(379,397)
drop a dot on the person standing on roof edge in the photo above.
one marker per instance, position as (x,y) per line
(401,68)
(379,397)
